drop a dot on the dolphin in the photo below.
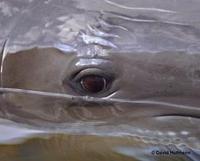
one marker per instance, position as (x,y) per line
(150,96)
(121,71)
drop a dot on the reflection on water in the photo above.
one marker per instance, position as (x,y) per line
(62,147)
(147,54)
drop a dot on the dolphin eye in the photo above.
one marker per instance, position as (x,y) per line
(90,81)
(93,83)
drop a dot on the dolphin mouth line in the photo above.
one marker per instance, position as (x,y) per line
(95,99)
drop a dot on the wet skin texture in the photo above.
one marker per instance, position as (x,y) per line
(146,94)
(131,76)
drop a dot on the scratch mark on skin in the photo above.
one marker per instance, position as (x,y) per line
(95,99)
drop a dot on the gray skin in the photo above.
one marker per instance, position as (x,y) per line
(163,77)
(165,84)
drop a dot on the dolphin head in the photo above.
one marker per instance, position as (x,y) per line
(104,73)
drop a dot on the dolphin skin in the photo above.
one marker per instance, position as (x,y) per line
(124,74)
(167,83)
(153,96)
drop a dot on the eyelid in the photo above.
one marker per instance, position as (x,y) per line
(102,64)
(92,71)
(75,80)
(80,67)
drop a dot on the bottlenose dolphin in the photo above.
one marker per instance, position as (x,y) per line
(118,72)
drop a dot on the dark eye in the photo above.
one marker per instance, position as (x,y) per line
(93,83)
(90,81)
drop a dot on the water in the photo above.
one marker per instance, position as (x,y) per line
(148,53)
